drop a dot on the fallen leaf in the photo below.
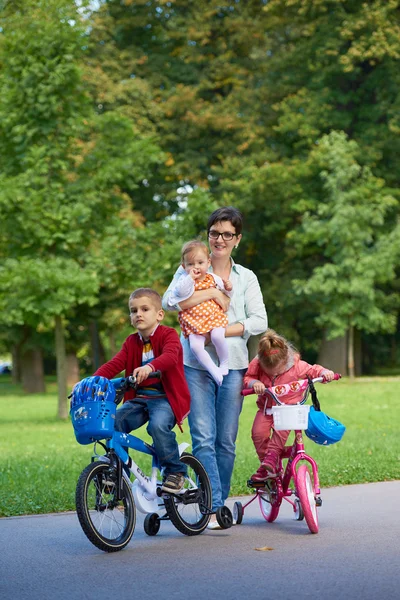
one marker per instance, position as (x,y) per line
(264,549)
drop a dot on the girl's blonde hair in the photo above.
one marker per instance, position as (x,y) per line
(191,247)
(273,349)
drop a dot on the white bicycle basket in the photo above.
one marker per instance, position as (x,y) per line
(290,416)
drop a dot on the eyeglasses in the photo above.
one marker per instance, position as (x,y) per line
(227,236)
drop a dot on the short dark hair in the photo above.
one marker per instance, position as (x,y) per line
(226,213)
(150,293)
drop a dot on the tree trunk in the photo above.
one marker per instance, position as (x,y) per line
(16,364)
(350,352)
(113,343)
(332,355)
(72,370)
(61,369)
(32,373)
(98,355)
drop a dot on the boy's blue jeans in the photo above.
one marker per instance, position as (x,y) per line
(158,413)
(214,422)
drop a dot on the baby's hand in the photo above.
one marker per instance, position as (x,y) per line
(142,373)
(327,375)
(227,285)
(193,274)
(258,387)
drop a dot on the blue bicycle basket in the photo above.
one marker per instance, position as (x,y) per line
(322,429)
(93,409)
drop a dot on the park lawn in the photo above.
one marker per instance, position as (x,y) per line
(41,460)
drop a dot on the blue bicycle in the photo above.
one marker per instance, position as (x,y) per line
(106,499)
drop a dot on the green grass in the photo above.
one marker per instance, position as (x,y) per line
(41,460)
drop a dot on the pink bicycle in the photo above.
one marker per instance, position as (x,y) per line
(304,494)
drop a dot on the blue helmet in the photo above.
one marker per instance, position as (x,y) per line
(93,389)
(323,429)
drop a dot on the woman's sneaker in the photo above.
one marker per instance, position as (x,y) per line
(173,483)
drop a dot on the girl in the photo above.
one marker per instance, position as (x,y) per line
(277,362)
(206,317)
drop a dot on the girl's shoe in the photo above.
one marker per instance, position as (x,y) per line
(260,475)
(270,463)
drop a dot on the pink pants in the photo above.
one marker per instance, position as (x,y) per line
(261,435)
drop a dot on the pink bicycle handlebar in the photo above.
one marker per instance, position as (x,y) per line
(292,387)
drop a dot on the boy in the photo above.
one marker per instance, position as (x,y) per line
(162,402)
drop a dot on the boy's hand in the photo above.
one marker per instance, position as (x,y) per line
(142,373)
(327,375)
(258,387)
(227,285)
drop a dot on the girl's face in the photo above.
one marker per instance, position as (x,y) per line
(219,246)
(196,263)
(277,370)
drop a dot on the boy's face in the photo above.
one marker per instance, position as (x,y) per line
(145,316)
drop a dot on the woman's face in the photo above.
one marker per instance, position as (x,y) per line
(221,247)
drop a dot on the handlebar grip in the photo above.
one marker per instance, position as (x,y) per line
(247,392)
(337,376)
(155,374)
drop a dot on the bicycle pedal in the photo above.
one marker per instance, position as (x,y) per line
(255,484)
(318,501)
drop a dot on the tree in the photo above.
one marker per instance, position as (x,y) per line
(61,174)
(348,228)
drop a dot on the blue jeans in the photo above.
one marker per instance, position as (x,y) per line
(214,422)
(158,412)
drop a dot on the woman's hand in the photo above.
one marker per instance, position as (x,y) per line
(258,387)
(222,299)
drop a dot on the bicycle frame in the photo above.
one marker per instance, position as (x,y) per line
(119,440)
(278,486)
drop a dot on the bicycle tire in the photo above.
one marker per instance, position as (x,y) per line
(108,523)
(269,503)
(306,496)
(193,518)
(238,513)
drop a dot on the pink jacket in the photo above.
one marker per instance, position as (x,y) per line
(296,369)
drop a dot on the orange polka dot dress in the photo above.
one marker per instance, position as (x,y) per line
(204,317)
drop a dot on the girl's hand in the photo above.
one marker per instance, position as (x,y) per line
(258,387)
(142,373)
(327,375)
(222,299)
(227,285)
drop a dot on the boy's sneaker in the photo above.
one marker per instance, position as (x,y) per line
(173,483)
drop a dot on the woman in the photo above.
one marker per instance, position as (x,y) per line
(215,410)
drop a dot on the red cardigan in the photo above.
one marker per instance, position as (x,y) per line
(168,358)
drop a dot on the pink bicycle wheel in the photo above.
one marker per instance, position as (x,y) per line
(269,503)
(305,492)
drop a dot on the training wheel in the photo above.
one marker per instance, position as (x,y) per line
(152,524)
(238,513)
(298,510)
(224,517)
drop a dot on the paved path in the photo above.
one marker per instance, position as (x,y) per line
(355,555)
